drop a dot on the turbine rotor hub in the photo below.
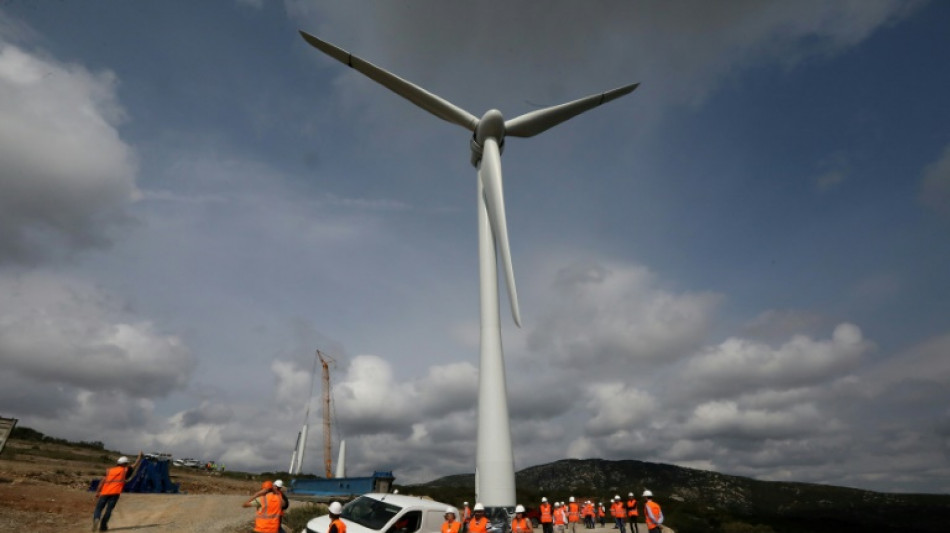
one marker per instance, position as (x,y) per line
(492,124)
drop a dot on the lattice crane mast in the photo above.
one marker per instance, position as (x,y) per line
(325,361)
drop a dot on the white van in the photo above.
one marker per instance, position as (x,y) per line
(386,513)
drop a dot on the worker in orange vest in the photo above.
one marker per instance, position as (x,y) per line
(478,523)
(633,513)
(107,495)
(654,515)
(520,523)
(601,513)
(588,512)
(573,515)
(618,513)
(450,525)
(560,517)
(269,504)
(337,525)
(547,517)
(466,516)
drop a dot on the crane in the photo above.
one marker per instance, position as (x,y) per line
(325,361)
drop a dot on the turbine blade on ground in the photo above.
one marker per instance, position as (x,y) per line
(433,104)
(489,171)
(535,122)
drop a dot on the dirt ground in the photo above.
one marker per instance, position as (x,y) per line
(43,489)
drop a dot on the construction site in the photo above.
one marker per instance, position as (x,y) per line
(48,484)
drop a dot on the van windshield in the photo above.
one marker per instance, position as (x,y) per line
(369,512)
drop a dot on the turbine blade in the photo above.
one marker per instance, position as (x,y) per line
(535,122)
(415,94)
(490,173)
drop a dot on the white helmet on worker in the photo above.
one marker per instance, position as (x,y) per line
(543,499)
(630,495)
(519,509)
(617,497)
(123,460)
(450,510)
(464,503)
(571,499)
(279,484)
(647,494)
(478,507)
(336,508)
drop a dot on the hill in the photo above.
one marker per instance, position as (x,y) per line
(698,500)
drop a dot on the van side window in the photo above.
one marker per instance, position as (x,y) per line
(407,523)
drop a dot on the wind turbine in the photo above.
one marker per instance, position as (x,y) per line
(494,463)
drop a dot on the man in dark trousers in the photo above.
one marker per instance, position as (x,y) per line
(107,494)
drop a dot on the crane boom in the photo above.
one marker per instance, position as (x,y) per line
(327,440)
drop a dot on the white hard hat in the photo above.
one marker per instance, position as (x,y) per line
(543,499)
(647,494)
(571,499)
(519,508)
(478,507)
(630,495)
(450,510)
(279,484)
(123,460)
(617,497)
(466,503)
(336,508)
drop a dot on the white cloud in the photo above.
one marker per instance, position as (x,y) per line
(371,398)
(740,365)
(61,331)
(616,406)
(727,418)
(601,313)
(65,173)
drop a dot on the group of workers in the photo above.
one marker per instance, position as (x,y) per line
(561,517)
(270,503)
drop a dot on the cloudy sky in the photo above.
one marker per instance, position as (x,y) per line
(743,266)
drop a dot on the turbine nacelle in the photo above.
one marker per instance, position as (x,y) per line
(491,125)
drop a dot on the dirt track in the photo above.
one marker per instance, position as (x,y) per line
(47,510)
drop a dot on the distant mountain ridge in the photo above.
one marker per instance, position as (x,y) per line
(699,500)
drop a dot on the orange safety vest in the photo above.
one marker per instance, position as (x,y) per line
(601,511)
(520,526)
(478,526)
(653,513)
(269,513)
(632,507)
(572,515)
(339,525)
(467,514)
(114,481)
(451,527)
(616,509)
(559,516)
(545,512)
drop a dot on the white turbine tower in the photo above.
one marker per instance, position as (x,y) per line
(494,464)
